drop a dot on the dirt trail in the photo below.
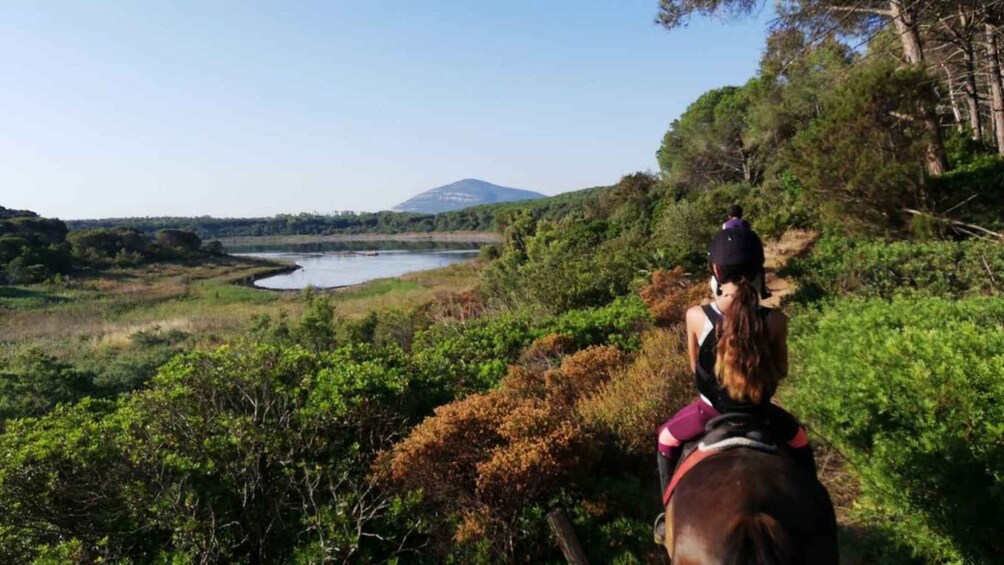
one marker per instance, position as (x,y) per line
(778,252)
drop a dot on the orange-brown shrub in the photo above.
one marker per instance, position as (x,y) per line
(670,293)
(524,381)
(582,373)
(441,454)
(486,457)
(544,349)
(464,305)
(634,402)
(529,467)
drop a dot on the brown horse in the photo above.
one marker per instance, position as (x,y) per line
(743,506)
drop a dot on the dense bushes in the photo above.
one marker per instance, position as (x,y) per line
(254,453)
(877,268)
(562,266)
(911,392)
(35,382)
(577,433)
(33,249)
(123,246)
(972,191)
(861,162)
(474,355)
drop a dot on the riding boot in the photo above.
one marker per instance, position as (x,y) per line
(805,458)
(667,464)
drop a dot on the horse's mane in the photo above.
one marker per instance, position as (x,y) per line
(758,539)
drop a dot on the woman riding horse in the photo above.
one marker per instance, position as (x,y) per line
(762,501)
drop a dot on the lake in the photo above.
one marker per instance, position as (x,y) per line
(335,264)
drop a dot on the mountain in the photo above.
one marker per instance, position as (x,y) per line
(463,194)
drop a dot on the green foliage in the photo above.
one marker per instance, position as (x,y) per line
(474,355)
(127,369)
(59,487)
(275,442)
(618,324)
(972,191)
(180,241)
(684,231)
(839,266)
(910,391)
(630,203)
(35,382)
(318,329)
(563,266)
(706,147)
(862,160)
(214,248)
(31,248)
(778,205)
(478,218)
(125,246)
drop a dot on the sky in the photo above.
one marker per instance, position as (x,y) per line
(248,108)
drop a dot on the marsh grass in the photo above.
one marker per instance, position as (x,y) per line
(97,315)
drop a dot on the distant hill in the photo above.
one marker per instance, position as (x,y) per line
(463,194)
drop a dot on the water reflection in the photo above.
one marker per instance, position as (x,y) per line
(330,265)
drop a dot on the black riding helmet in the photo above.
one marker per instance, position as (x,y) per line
(736,247)
(739,248)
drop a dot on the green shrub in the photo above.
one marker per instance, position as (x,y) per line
(250,453)
(860,162)
(617,324)
(684,232)
(912,393)
(474,355)
(779,205)
(563,266)
(876,268)
(36,382)
(973,192)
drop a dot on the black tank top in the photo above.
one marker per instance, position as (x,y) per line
(704,377)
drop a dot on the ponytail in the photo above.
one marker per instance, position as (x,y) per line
(744,362)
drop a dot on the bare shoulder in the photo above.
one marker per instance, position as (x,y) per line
(696,316)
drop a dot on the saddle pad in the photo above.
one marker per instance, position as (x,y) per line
(729,443)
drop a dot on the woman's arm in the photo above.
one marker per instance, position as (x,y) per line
(695,323)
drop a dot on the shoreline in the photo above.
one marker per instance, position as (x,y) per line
(282,269)
(453,236)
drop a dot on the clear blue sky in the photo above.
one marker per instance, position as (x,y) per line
(115,108)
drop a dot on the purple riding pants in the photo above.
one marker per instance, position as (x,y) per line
(689,422)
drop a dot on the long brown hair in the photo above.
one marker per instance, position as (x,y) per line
(745,363)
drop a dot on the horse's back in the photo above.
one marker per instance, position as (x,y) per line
(745,506)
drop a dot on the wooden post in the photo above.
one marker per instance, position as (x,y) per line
(567,539)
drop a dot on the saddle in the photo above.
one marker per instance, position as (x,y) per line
(728,431)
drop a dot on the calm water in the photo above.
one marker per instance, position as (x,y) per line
(330,265)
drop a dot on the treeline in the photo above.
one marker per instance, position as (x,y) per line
(868,137)
(477,218)
(35,249)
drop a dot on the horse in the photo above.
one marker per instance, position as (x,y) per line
(744,506)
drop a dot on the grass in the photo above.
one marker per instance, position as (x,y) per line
(210,301)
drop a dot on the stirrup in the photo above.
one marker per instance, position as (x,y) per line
(659,529)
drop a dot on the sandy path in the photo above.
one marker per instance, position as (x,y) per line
(778,252)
